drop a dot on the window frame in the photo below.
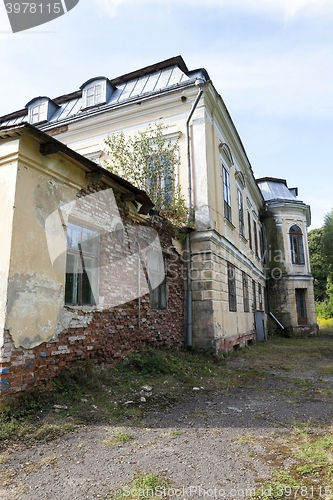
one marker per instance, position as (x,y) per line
(82,254)
(158,296)
(226,193)
(254,295)
(255,234)
(160,181)
(41,113)
(249,229)
(300,294)
(240,212)
(232,290)
(296,245)
(246,301)
(260,297)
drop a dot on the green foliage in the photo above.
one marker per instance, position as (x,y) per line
(149,160)
(321,260)
(156,363)
(318,263)
(327,241)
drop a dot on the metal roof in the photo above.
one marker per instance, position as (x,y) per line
(275,189)
(166,75)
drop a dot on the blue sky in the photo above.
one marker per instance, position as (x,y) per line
(271,61)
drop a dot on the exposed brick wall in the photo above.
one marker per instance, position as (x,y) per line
(111,333)
(109,336)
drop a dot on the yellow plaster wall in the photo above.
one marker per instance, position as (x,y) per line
(35,298)
(8,169)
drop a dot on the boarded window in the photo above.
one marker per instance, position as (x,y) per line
(296,242)
(232,288)
(81,265)
(246,292)
(226,193)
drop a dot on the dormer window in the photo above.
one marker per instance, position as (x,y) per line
(94,95)
(96,91)
(41,109)
(38,113)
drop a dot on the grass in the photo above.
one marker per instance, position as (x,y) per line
(143,486)
(120,437)
(325,324)
(311,449)
(82,394)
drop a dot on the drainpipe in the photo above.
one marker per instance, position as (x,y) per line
(199,83)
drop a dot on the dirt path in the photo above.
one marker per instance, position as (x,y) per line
(209,440)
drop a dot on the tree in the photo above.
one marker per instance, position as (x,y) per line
(318,263)
(148,160)
(321,259)
(327,242)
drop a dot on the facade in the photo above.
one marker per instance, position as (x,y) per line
(226,282)
(289,280)
(85,273)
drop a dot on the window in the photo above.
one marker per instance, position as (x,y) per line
(38,113)
(240,212)
(261,242)
(81,265)
(246,292)
(260,296)
(41,109)
(296,242)
(249,229)
(226,193)
(94,95)
(301,307)
(158,295)
(266,300)
(255,238)
(232,288)
(254,295)
(160,180)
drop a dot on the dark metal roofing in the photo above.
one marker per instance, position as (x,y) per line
(152,79)
(275,189)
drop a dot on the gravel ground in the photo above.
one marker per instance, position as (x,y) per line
(208,440)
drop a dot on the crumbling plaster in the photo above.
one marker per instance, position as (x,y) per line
(35,299)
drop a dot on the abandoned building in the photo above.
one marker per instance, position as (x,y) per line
(52,154)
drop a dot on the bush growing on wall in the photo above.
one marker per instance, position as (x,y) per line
(149,160)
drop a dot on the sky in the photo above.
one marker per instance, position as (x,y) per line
(271,61)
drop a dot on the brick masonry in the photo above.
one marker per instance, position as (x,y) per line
(109,334)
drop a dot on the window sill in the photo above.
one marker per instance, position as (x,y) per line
(230,224)
(83,308)
(243,238)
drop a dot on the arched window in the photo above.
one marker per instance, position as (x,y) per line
(296,243)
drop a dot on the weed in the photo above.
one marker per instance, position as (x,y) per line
(246,439)
(149,484)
